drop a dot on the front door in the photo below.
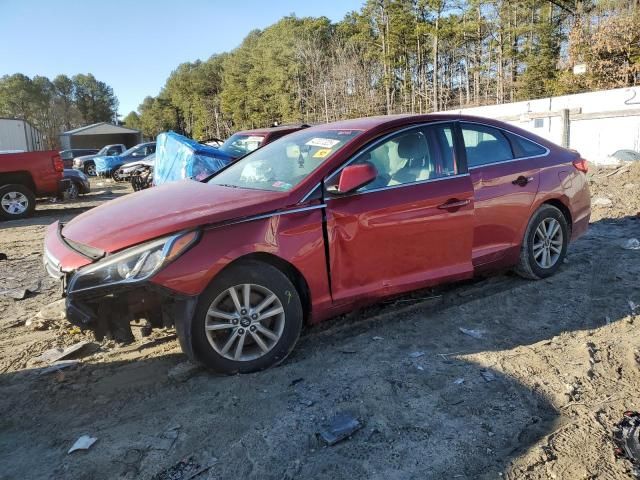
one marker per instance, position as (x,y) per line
(410,228)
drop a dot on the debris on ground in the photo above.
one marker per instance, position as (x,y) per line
(416,354)
(342,426)
(21,293)
(458,381)
(58,366)
(487,375)
(601,202)
(186,469)
(477,334)
(377,338)
(626,437)
(55,354)
(3,256)
(83,443)
(631,244)
(183,371)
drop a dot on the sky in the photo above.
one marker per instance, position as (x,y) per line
(134,45)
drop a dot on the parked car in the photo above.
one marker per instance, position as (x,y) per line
(26,176)
(69,155)
(318,223)
(128,169)
(182,158)
(86,163)
(107,166)
(78,183)
(241,143)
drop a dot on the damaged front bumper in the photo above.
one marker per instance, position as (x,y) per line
(110,309)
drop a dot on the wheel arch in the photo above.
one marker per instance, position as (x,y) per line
(293,274)
(560,205)
(20,178)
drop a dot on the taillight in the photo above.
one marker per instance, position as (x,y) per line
(581,165)
(58,164)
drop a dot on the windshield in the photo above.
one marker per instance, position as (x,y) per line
(240,144)
(281,165)
(103,150)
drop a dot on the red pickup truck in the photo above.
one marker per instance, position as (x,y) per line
(25,176)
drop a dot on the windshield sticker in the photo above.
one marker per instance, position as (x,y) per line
(323,142)
(322,153)
(283,185)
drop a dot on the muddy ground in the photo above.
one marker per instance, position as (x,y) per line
(535,396)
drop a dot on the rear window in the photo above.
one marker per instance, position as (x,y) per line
(485,145)
(525,148)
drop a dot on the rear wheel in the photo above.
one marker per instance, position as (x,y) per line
(16,201)
(90,169)
(248,319)
(116,176)
(545,243)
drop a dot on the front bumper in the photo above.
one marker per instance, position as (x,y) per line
(101,308)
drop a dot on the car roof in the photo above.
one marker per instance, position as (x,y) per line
(280,128)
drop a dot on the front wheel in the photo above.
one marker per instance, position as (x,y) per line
(248,319)
(90,169)
(545,243)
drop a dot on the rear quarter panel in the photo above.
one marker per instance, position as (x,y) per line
(561,181)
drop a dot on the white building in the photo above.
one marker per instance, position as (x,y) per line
(599,122)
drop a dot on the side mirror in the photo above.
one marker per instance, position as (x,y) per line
(354,177)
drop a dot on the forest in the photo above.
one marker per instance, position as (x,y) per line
(54,106)
(391,56)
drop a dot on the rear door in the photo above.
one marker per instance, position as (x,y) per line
(505,184)
(411,227)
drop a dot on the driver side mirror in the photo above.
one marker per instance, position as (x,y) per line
(354,177)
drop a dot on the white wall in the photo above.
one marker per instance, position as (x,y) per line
(593,138)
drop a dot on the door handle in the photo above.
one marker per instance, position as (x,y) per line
(453,203)
(522,181)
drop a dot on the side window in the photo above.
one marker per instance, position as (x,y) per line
(523,147)
(485,145)
(423,153)
(113,151)
(151,149)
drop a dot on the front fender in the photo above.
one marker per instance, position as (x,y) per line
(293,237)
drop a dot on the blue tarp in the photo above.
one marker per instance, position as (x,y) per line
(105,165)
(179,157)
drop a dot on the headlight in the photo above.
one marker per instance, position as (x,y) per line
(134,264)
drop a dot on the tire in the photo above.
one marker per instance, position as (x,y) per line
(116,176)
(265,281)
(16,201)
(541,257)
(90,168)
(73,191)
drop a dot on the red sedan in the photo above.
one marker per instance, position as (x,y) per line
(316,224)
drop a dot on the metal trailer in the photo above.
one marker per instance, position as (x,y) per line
(18,135)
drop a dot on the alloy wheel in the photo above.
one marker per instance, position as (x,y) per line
(547,243)
(14,203)
(91,170)
(73,192)
(245,322)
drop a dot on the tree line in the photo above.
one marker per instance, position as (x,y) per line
(397,56)
(61,104)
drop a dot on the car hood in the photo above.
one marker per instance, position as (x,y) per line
(166,209)
(84,158)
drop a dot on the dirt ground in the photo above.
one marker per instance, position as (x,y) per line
(535,395)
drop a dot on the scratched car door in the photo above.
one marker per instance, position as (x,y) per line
(411,227)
